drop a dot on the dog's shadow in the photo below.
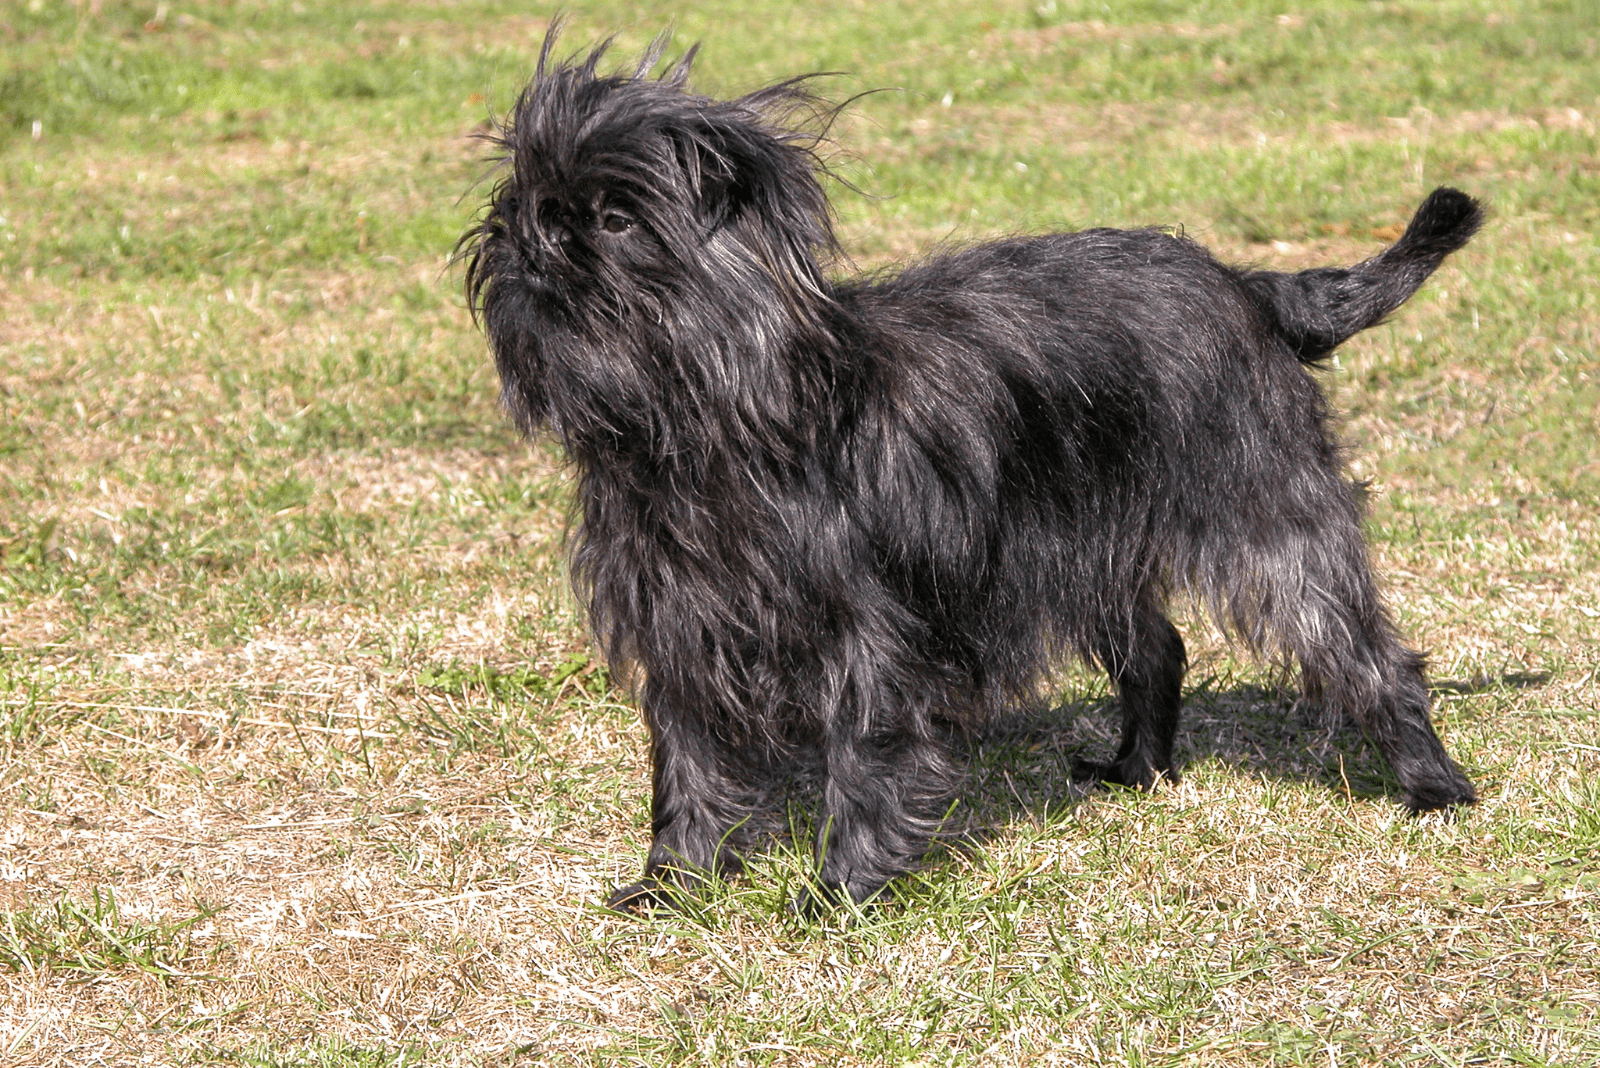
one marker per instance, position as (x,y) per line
(1021,766)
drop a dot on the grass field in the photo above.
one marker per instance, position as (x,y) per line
(303,759)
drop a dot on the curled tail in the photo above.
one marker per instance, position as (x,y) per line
(1316,310)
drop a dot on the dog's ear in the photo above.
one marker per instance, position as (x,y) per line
(747,165)
(756,181)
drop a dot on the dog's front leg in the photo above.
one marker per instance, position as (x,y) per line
(696,805)
(877,812)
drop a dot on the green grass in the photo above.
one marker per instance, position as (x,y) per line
(91,939)
(303,757)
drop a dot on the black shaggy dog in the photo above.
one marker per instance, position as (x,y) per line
(824,520)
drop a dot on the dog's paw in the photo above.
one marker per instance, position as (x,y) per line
(1096,773)
(644,897)
(1091,772)
(1448,798)
(819,901)
(816,903)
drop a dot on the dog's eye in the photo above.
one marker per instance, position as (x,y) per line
(616,224)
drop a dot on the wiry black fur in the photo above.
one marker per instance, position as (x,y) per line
(822,518)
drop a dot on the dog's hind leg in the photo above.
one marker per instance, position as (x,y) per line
(1396,718)
(1146,661)
(1320,599)
(1381,684)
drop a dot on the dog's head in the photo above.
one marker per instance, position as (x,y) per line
(636,224)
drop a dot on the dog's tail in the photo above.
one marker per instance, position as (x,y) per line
(1317,310)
